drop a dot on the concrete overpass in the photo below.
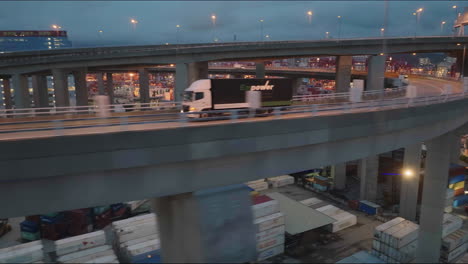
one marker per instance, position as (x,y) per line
(192,61)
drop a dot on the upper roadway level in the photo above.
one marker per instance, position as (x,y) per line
(37,61)
(86,167)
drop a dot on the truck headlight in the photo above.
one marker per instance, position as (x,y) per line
(192,109)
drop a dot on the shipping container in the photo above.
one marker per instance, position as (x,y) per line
(148,257)
(25,253)
(266,208)
(270,233)
(83,253)
(406,235)
(454,240)
(457,185)
(459,192)
(450,193)
(271,242)
(127,233)
(381,228)
(452,255)
(343,218)
(463,259)
(456,169)
(76,243)
(280,181)
(361,257)
(271,252)
(142,248)
(134,220)
(261,186)
(319,187)
(460,200)
(269,221)
(451,223)
(369,208)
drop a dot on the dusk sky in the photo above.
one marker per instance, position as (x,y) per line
(283,20)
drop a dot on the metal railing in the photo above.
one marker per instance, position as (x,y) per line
(228,116)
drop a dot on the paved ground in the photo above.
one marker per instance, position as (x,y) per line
(14,236)
(345,243)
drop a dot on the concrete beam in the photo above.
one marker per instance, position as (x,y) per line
(186,74)
(375,73)
(20,86)
(7,93)
(208,226)
(343,73)
(62,97)
(410,183)
(143,80)
(110,87)
(260,70)
(433,200)
(81,87)
(368,169)
(40,92)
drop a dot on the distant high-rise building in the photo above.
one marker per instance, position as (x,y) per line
(424,61)
(33,40)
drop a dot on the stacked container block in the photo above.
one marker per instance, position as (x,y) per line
(280,181)
(456,181)
(342,218)
(24,253)
(269,223)
(259,185)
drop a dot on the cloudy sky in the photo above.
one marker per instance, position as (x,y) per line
(283,20)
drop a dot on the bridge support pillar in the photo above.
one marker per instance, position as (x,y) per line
(100,83)
(81,89)
(20,85)
(7,93)
(410,182)
(376,73)
(62,97)
(433,199)
(186,74)
(368,170)
(210,226)
(110,87)
(339,176)
(260,70)
(343,73)
(297,83)
(40,93)
(143,80)
(455,150)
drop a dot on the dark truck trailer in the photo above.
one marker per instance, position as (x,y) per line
(277,92)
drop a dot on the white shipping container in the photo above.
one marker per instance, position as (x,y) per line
(386,235)
(269,221)
(20,246)
(82,253)
(376,245)
(455,239)
(132,232)
(463,259)
(130,220)
(268,243)
(451,224)
(139,240)
(143,247)
(256,181)
(91,257)
(404,254)
(271,252)
(75,243)
(266,208)
(450,256)
(311,201)
(406,235)
(379,229)
(23,255)
(270,233)
(449,202)
(448,209)
(259,186)
(343,220)
(105,259)
(329,210)
(281,181)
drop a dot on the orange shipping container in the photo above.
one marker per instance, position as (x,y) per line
(460,191)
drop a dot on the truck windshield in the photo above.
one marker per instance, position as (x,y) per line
(188,96)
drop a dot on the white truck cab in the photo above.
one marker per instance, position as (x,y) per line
(197,97)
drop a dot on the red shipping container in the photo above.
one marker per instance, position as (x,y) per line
(48,232)
(121,212)
(34,218)
(353,204)
(260,199)
(460,191)
(456,170)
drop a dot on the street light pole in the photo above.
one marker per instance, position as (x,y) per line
(261,29)
(339,27)
(442,27)
(177,33)
(213,22)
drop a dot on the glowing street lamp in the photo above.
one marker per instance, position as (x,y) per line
(408,173)
(417,14)
(134,22)
(261,29)
(177,33)
(442,27)
(213,22)
(309,16)
(456,11)
(56,27)
(382,32)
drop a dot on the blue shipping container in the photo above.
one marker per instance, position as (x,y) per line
(460,200)
(52,220)
(368,207)
(320,187)
(456,179)
(148,257)
(29,226)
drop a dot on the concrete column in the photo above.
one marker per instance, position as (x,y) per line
(143,80)
(110,87)
(62,97)
(100,82)
(210,226)
(368,170)
(40,93)
(455,150)
(21,95)
(7,93)
(343,73)
(339,178)
(410,183)
(81,88)
(376,73)
(186,74)
(433,200)
(260,70)
(297,83)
